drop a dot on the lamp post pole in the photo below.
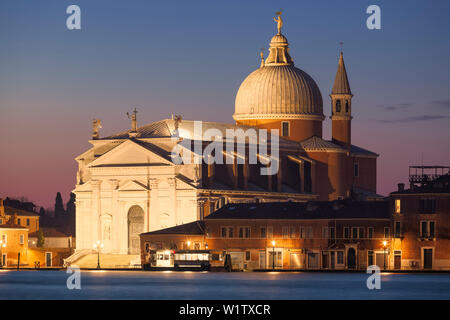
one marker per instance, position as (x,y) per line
(97,246)
(273,254)
(384,246)
(2,245)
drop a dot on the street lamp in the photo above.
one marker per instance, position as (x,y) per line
(384,246)
(98,246)
(189,245)
(273,254)
(2,245)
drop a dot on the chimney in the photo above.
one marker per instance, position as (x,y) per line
(401,187)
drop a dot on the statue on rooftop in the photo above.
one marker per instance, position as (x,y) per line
(279,21)
(96,124)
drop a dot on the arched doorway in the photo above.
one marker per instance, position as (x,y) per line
(351,258)
(135,227)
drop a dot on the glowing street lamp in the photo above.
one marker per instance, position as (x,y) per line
(273,255)
(189,245)
(384,246)
(98,246)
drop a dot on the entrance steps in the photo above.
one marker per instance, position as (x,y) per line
(108,261)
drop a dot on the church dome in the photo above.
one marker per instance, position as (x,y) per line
(278,89)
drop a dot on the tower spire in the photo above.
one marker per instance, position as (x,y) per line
(341,106)
(341,85)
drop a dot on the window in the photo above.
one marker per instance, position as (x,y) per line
(197,246)
(270,232)
(244,232)
(263,232)
(28,222)
(4,238)
(285,231)
(355,233)
(292,232)
(427,205)
(424,229)
(346,233)
(247,256)
(223,232)
(356,169)
(22,239)
(285,129)
(370,258)
(397,229)
(431,228)
(308,232)
(340,257)
(18,221)
(361,233)
(338,105)
(370,232)
(427,229)
(1,221)
(332,233)
(387,232)
(398,206)
(328,233)
(230,232)
(346,106)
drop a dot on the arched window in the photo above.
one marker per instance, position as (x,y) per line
(338,105)
(346,105)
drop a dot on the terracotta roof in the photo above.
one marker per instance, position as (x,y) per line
(11,226)
(49,233)
(355,150)
(316,143)
(196,227)
(305,211)
(341,85)
(19,212)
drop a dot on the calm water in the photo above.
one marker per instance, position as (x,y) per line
(189,285)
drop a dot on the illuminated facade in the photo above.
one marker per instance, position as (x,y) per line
(128,184)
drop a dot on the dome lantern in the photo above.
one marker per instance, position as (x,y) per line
(278,92)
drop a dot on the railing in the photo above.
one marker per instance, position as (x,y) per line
(77,255)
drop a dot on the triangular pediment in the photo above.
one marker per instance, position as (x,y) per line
(83,187)
(131,154)
(133,186)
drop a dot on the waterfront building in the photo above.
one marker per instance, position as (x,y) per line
(27,219)
(409,230)
(287,235)
(421,220)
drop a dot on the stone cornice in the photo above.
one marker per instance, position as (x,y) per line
(281,116)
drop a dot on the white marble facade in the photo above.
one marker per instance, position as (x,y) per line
(129,186)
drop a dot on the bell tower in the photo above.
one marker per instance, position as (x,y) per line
(341,107)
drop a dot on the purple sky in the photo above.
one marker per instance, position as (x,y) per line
(189,58)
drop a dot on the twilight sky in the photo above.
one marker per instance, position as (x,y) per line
(189,58)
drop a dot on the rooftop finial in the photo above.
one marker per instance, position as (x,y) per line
(279,21)
(341,45)
(262,57)
(133,117)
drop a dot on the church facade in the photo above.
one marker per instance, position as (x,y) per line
(129,183)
